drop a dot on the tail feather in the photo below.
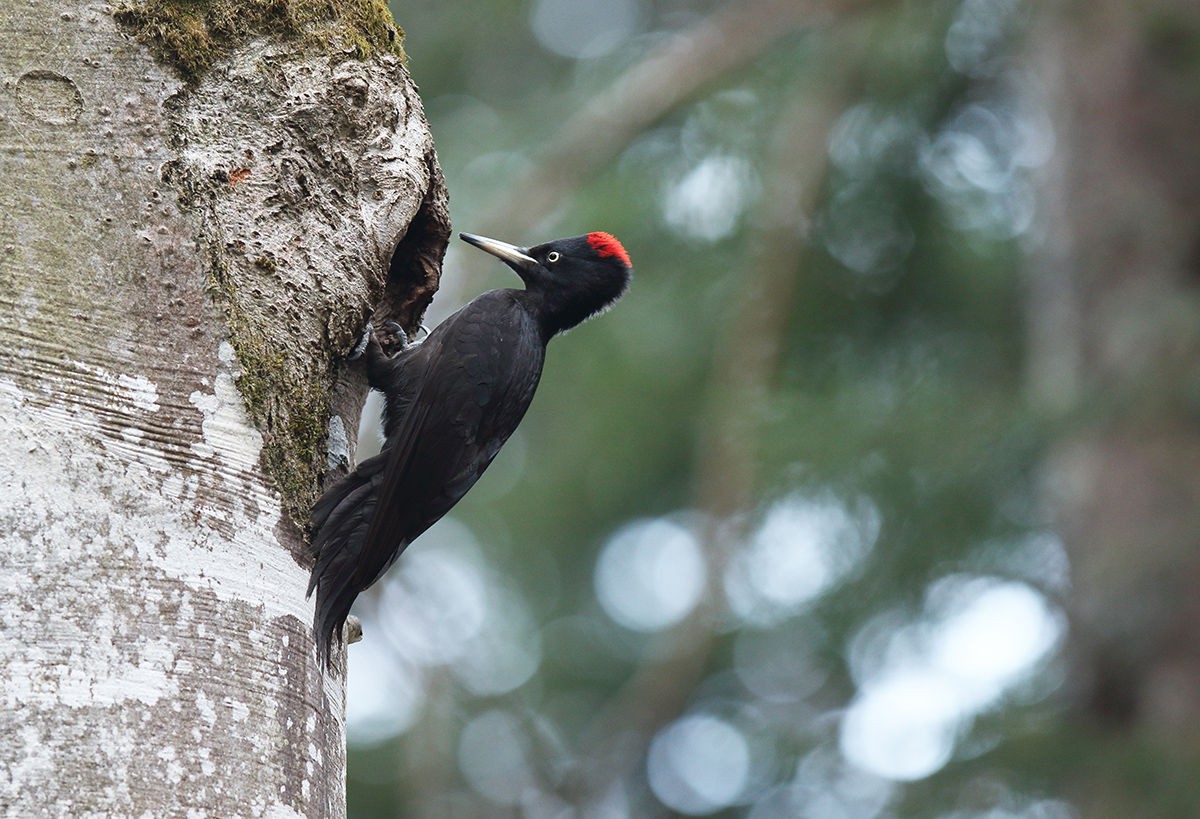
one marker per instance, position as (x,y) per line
(340,520)
(340,533)
(335,596)
(336,495)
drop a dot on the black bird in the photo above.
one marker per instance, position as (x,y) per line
(452,402)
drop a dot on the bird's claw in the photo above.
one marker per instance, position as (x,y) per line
(398,331)
(391,326)
(361,346)
(402,334)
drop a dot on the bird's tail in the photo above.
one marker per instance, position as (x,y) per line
(339,522)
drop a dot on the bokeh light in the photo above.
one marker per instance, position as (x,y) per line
(493,754)
(803,547)
(584,28)
(436,600)
(921,684)
(706,202)
(698,764)
(505,652)
(441,607)
(779,664)
(650,574)
(383,695)
(825,787)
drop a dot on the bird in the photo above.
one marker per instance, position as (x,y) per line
(451,401)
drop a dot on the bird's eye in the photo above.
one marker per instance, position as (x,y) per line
(554,256)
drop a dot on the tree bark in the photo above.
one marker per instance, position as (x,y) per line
(1115,349)
(183,265)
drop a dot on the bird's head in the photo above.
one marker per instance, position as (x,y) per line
(573,279)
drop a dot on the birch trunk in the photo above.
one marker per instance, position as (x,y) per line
(182,268)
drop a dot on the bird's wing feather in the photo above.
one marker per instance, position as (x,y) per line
(479,379)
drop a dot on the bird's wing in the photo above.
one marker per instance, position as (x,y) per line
(479,378)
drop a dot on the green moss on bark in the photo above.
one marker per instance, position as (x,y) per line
(291,410)
(288,406)
(193,34)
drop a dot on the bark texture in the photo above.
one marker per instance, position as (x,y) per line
(1115,322)
(182,267)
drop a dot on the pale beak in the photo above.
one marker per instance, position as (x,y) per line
(514,256)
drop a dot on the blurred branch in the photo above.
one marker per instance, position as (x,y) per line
(668,77)
(740,394)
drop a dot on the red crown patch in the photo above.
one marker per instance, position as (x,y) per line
(607,245)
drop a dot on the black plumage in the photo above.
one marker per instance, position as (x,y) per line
(452,402)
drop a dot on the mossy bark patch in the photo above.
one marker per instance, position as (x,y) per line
(191,35)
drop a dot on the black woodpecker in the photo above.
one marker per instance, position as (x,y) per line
(451,403)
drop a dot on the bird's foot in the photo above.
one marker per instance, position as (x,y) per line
(392,327)
(398,333)
(402,334)
(361,346)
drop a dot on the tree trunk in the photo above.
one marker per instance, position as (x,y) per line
(183,265)
(1115,330)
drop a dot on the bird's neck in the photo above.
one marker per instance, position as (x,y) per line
(557,311)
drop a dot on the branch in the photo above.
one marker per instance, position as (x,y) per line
(671,75)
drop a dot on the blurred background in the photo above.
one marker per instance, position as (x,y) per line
(877,494)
